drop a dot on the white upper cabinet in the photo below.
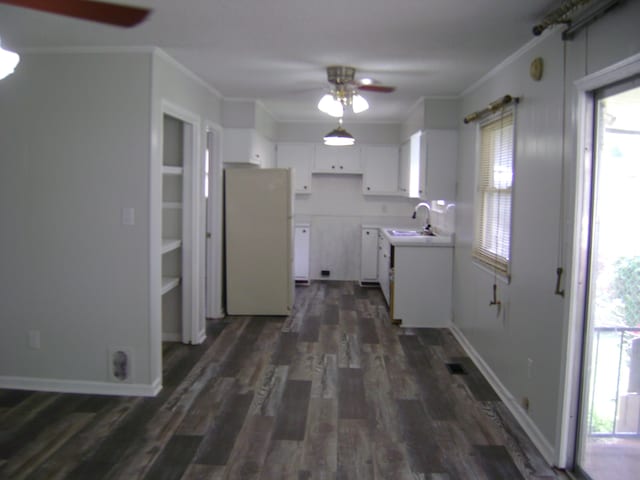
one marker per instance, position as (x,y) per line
(337,159)
(246,146)
(299,157)
(404,176)
(380,164)
(438,164)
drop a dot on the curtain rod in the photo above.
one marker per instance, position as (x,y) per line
(493,106)
(559,15)
(563,14)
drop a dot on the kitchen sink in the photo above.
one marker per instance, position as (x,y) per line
(408,237)
(410,233)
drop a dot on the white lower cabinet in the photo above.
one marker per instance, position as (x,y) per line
(302,235)
(384,267)
(421,293)
(369,256)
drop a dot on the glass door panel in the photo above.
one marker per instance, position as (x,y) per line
(609,430)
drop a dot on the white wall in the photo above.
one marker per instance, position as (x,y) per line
(532,321)
(74,131)
(337,208)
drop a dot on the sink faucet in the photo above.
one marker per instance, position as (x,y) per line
(427,217)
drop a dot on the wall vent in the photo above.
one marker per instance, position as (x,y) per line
(120,364)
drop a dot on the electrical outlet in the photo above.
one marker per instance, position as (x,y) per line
(34,339)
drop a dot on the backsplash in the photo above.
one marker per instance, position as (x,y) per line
(443,217)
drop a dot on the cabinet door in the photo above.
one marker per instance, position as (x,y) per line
(337,159)
(301,258)
(404,170)
(384,259)
(240,146)
(380,169)
(299,157)
(369,255)
(440,170)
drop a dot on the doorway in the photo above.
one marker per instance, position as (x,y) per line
(213,235)
(608,431)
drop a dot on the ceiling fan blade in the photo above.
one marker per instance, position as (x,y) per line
(109,13)
(376,88)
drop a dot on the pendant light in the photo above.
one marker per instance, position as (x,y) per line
(339,137)
(8,61)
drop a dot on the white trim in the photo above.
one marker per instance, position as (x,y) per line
(611,74)
(81,386)
(530,428)
(214,257)
(200,337)
(526,48)
(192,178)
(65,50)
(169,59)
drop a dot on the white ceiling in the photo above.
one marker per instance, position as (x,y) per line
(277,50)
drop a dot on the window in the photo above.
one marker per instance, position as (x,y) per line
(492,239)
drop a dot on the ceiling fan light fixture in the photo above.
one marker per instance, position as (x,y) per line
(8,62)
(339,137)
(359,103)
(331,106)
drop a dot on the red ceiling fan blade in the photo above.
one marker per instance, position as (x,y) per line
(376,88)
(109,13)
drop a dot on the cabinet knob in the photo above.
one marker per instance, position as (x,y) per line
(368,188)
(305,187)
(333,167)
(304,231)
(341,167)
(367,233)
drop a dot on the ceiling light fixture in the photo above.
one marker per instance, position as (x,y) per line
(339,137)
(8,61)
(340,98)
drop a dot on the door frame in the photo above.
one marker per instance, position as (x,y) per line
(569,412)
(213,224)
(193,325)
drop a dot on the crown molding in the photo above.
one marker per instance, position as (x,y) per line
(157,51)
(526,48)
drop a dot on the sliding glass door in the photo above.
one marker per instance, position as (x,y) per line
(609,429)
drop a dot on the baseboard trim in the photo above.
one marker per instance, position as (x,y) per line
(530,428)
(202,336)
(81,386)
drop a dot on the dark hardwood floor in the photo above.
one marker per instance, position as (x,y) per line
(332,392)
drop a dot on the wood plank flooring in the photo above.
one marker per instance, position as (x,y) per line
(334,391)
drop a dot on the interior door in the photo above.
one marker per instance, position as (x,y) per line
(608,442)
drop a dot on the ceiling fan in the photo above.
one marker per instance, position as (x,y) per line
(344,91)
(96,11)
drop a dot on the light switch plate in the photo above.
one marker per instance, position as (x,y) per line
(128,216)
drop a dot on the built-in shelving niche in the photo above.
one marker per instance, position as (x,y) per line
(172,227)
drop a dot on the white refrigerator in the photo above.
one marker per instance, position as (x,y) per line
(259,241)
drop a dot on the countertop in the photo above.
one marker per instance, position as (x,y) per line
(416,240)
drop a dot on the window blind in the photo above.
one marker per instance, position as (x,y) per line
(492,239)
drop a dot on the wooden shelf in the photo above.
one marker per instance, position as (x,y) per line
(170,244)
(169,283)
(172,205)
(170,170)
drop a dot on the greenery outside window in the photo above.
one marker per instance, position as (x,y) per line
(492,236)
